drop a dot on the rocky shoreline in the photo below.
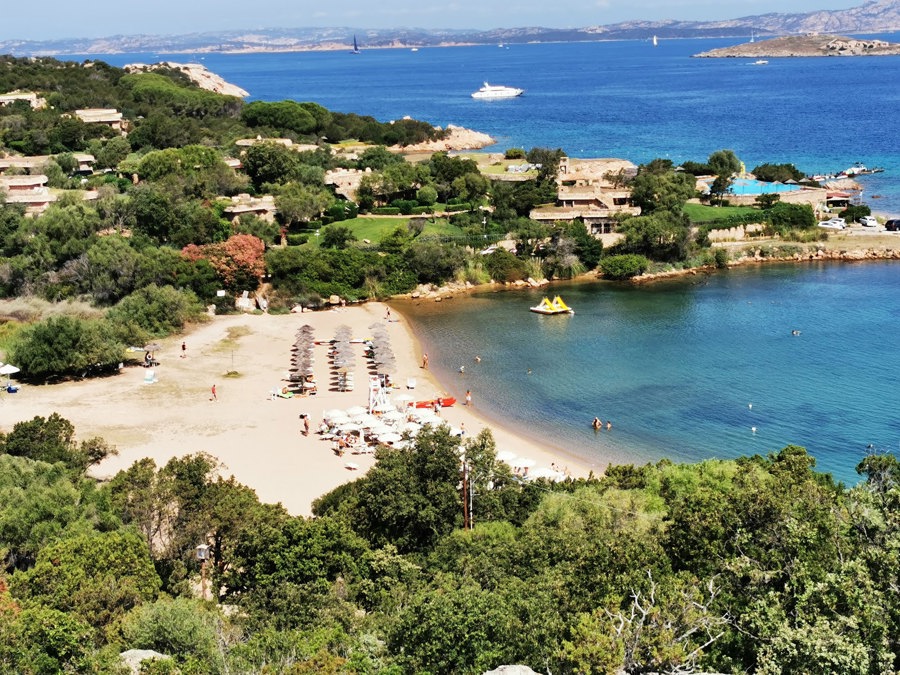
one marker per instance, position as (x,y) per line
(753,255)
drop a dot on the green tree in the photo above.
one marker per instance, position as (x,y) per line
(270,163)
(66,346)
(337,236)
(657,188)
(299,204)
(157,311)
(724,163)
(410,499)
(105,574)
(180,627)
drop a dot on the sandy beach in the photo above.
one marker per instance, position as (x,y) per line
(257,438)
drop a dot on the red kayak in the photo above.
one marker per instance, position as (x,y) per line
(445,402)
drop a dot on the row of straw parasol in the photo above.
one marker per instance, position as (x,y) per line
(302,351)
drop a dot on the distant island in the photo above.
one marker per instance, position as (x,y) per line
(806,45)
(874,16)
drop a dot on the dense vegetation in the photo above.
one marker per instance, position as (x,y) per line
(155,243)
(759,564)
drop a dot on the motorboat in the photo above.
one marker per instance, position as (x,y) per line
(497,91)
(555,306)
(760,62)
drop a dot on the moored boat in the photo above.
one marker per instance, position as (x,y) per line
(555,306)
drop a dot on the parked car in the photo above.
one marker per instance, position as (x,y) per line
(892,225)
(868,221)
(833,224)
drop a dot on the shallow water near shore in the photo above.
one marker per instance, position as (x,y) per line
(686,369)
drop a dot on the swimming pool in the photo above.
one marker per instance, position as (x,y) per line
(751,186)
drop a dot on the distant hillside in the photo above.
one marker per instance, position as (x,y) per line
(876,16)
(807,45)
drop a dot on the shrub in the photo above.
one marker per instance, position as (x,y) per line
(720,255)
(297,239)
(514,153)
(504,266)
(624,266)
(157,310)
(386,211)
(66,346)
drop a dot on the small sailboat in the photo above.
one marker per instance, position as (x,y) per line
(355,46)
(655,41)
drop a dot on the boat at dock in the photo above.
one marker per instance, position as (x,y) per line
(555,306)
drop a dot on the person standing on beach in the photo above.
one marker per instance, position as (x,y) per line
(183,349)
(214,397)
(468,397)
(305,419)
(425,360)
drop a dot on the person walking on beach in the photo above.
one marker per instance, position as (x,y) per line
(425,360)
(305,419)
(183,349)
(214,397)
(468,397)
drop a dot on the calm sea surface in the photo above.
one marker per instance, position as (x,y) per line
(687,369)
(684,369)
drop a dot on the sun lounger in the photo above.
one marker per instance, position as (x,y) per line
(352,466)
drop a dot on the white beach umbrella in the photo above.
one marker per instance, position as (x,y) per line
(523,462)
(356,410)
(411,428)
(364,420)
(506,456)
(8,369)
(336,416)
(378,429)
(393,416)
(383,407)
(401,445)
(349,426)
(402,398)
(390,437)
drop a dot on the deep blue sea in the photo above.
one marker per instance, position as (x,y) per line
(611,99)
(685,369)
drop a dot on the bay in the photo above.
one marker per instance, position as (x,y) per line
(686,369)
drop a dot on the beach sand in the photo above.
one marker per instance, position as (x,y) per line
(257,439)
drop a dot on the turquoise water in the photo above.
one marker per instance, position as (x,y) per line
(749,186)
(686,369)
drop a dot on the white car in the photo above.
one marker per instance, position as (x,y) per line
(868,221)
(833,224)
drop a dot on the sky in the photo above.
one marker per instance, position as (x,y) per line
(54,19)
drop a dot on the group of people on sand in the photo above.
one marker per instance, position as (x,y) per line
(597,424)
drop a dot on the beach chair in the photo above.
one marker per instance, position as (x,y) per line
(150,377)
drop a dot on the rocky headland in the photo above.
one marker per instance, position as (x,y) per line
(198,74)
(806,45)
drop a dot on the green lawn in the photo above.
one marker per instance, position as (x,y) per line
(374,229)
(700,213)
